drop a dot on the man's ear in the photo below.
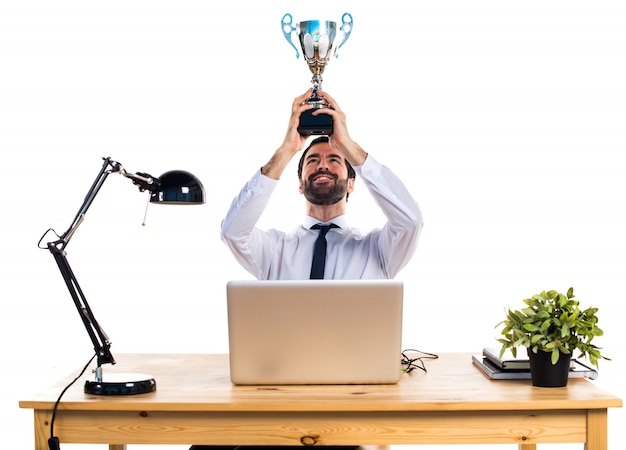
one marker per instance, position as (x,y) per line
(350,185)
(300,187)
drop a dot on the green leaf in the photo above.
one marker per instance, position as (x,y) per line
(555,356)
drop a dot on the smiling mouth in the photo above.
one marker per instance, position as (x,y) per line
(323,178)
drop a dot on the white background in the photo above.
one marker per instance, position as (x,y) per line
(506,119)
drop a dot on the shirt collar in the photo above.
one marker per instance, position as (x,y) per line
(340,221)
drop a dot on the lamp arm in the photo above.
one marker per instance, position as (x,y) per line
(108,167)
(98,337)
(144,181)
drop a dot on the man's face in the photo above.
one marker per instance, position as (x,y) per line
(325,176)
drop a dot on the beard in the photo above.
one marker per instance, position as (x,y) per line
(325,194)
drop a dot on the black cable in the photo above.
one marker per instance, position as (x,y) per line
(418,362)
(49,230)
(53,442)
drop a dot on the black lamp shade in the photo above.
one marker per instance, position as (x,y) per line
(178,186)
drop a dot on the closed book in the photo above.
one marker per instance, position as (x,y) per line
(507,361)
(510,362)
(493,372)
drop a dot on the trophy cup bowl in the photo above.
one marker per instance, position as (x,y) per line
(319,41)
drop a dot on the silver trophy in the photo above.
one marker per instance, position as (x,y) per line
(319,42)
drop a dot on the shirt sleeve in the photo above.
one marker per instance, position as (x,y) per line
(251,246)
(398,239)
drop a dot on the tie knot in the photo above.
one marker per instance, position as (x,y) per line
(324,228)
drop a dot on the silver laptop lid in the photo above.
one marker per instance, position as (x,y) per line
(315,331)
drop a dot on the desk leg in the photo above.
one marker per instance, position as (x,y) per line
(42,429)
(597,430)
(117,446)
(528,447)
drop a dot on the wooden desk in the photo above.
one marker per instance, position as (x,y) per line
(195,403)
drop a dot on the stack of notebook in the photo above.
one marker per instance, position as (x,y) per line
(495,367)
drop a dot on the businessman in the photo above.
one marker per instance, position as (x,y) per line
(327,173)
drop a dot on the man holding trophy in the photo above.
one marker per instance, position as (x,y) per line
(327,172)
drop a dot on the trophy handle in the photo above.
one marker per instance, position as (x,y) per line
(346,27)
(288,29)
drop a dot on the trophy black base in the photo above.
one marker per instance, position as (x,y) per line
(121,384)
(315,125)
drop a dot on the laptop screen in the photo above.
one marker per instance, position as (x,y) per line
(315,331)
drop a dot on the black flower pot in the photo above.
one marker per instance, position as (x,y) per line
(545,374)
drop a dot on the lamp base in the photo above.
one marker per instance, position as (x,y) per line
(121,384)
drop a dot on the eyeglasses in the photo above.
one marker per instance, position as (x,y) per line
(415,361)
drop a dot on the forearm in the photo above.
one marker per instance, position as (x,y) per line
(292,143)
(277,163)
(352,151)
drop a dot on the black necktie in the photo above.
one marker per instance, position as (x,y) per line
(319,252)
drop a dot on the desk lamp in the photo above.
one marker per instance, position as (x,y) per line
(173,187)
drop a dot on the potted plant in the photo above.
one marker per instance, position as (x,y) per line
(552,327)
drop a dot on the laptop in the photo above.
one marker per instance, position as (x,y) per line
(315,331)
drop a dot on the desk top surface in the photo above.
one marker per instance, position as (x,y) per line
(194,382)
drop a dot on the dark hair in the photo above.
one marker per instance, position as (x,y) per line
(351,172)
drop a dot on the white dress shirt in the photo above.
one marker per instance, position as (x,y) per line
(277,255)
